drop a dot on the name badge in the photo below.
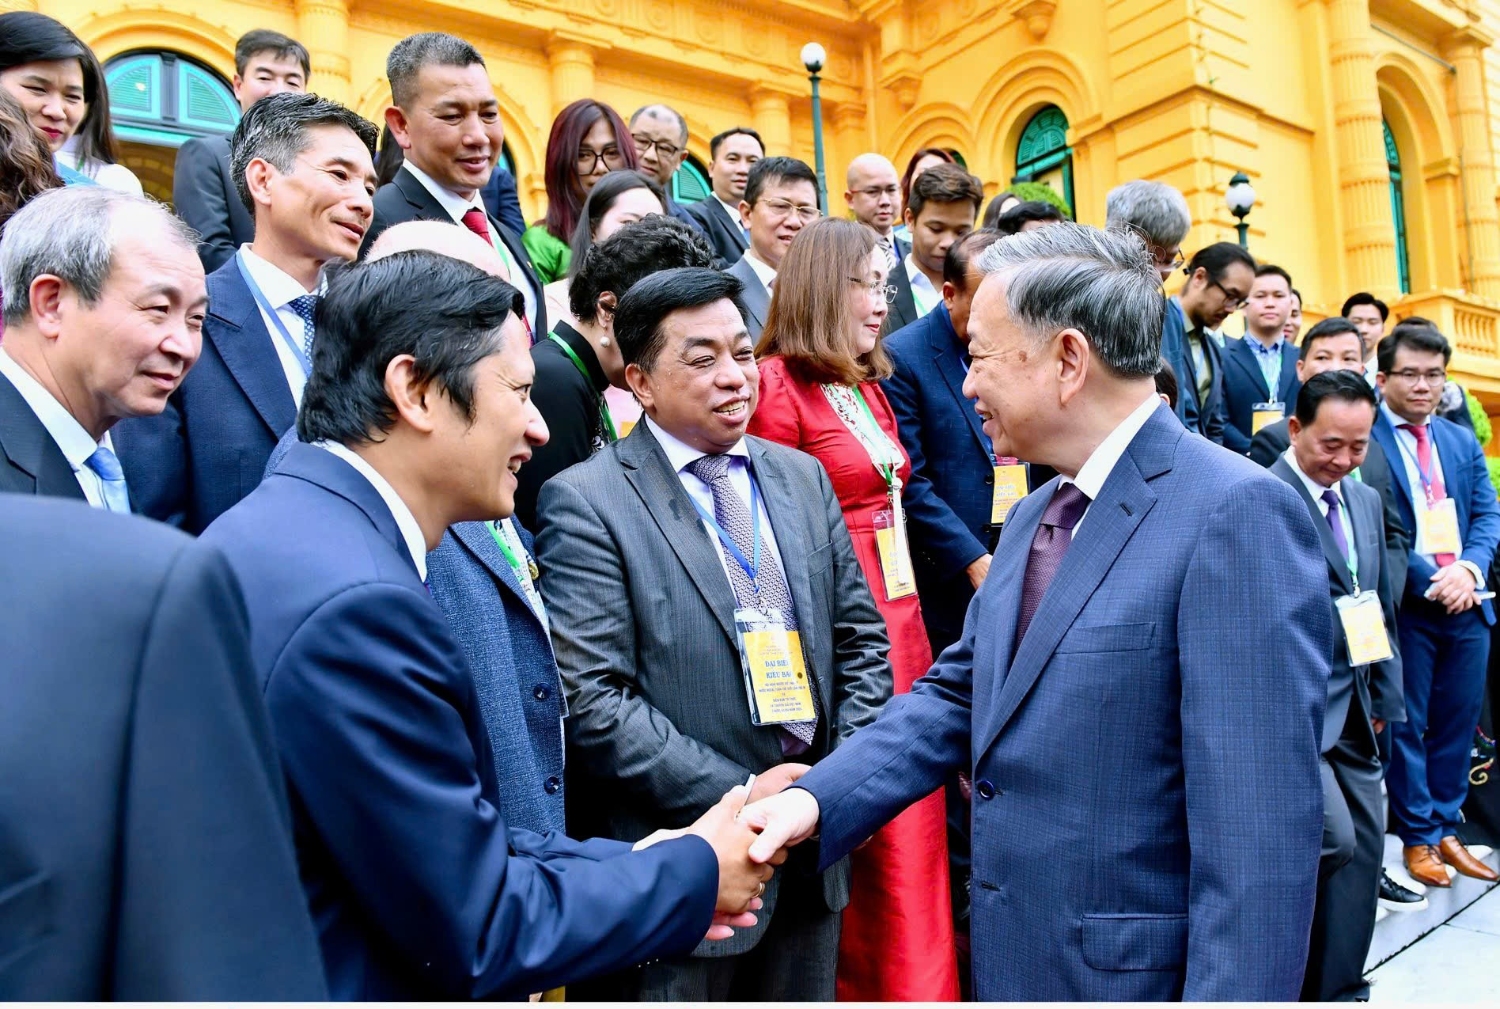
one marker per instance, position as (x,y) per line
(1437,528)
(895,555)
(1265,414)
(1010,487)
(1364,628)
(776,683)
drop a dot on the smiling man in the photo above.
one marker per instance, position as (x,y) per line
(302,165)
(104,305)
(781,199)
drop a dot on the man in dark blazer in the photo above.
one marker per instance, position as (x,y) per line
(781,199)
(1263,350)
(441,177)
(944,202)
(904,305)
(145,842)
(660,135)
(418,887)
(1330,430)
(204,192)
(1445,625)
(1160,594)
(1335,344)
(645,607)
(732,155)
(209,447)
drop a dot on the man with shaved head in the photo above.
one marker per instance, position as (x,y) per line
(437,236)
(660,134)
(874,194)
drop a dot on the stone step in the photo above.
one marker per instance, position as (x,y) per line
(1395,932)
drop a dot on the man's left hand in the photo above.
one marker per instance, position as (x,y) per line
(1453,587)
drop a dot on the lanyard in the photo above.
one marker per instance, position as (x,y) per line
(1273,377)
(270,313)
(750,567)
(1353,559)
(886,470)
(510,555)
(610,434)
(1424,478)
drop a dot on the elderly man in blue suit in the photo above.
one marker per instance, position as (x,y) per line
(1157,601)
(1443,491)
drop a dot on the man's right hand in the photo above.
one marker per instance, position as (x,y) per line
(977,571)
(783,819)
(741,881)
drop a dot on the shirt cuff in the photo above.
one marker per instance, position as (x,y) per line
(1473,569)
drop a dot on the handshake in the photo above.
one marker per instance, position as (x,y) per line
(750,829)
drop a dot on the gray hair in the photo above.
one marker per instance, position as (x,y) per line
(1101,283)
(274,130)
(1154,210)
(660,111)
(71,234)
(426,49)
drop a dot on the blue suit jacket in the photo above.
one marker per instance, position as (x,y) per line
(1173,348)
(208,448)
(1148,812)
(502,200)
(418,890)
(1244,386)
(1466,479)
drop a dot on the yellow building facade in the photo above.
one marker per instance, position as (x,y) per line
(1369,128)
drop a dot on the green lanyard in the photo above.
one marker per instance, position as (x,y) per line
(610,433)
(886,470)
(1353,559)
(510,555)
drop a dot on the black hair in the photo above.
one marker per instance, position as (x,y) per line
(769,170)
(733,131)
(1335,326)
(600,199)
(274,129)
(1166,383)
(95,139)
(618,263)
(1011,222)
(992,209)
(407,58)
(1344,386)
(1419,335)
(1297,294)
(368,317)
(29,37)
(638,320)
(1269,270)
(1366,298)
(263,40)
(1216,258)
(963,251)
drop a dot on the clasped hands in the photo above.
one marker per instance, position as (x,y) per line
(1453,588)
(749,829)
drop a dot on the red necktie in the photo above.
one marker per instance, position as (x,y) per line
(476,222)
(1431,477)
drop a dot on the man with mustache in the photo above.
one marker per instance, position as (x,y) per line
(303,167)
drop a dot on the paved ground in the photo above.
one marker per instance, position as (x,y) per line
(1459,961)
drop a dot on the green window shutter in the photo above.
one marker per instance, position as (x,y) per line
(1398,207)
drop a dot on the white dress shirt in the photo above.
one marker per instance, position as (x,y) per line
(457,206)
(281,290)
(763,272)
(75,443)
(680,455)
(732,209)
(1101,463)
(1406,444)
(406,522)
(923,293)
(1316,490)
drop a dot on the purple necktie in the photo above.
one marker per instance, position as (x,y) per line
(1336,521)
(1051,541)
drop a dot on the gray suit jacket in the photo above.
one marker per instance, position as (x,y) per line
(756,299)
(643,624)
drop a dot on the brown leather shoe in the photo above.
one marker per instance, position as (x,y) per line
(1455,854)
(1424,862)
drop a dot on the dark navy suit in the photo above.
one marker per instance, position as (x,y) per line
(208,448)
(1244,386)
(417,887)
(502,201)
(1122,852)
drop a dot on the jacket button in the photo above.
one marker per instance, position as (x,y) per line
(541,693)
(552,785)
(985,790)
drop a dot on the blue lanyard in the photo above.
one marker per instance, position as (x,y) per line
(1416,463)
(270,313)
(751,568)
(1272,378)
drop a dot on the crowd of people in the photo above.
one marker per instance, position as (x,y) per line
(681,602)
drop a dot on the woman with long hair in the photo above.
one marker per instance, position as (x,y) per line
(820,368)
(26,169)
(588,141)
(92,150)
(618,199)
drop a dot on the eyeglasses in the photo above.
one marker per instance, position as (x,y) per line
(1232,301)
(589,160)
(876,289)
(1411,377)
(876,192)
(664,150)
(780,209)
(1175,263)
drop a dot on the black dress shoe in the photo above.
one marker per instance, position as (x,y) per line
(1395,897)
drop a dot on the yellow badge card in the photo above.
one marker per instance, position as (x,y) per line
(895,556)
(1010,487)
(1264,415)
(775,672)
(1364,628)
(1437,528)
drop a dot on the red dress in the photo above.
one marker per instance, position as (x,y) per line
(897,942)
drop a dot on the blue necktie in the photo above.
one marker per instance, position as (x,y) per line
(303,307)
(107,465)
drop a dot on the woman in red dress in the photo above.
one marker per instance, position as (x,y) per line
(820,362)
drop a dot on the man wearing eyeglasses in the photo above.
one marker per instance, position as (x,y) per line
(1443,491)
(874,197)
(660,134)
(781,198)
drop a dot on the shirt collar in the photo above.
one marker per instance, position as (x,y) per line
(1397,421)
(406,522)
(916,276)
(1262,349)
(732,209)
(275,283)
(455,205)
(681,455)
(1313,487)
(762,270)
(71,437)
(1094,472)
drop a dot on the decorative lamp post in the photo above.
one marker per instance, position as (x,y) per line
(1239,198)
(813,58)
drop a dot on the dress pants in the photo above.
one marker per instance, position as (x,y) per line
(1349,869)
(1443,661)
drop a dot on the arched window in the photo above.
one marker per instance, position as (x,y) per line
(690,182)
(1398,207)
(165,99)
(1043,154)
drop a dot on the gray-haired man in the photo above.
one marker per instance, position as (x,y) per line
(104,302)
(660,134)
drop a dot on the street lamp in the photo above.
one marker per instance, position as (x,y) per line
(813,58)
(1239,198)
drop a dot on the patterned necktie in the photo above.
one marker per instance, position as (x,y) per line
(1051,542)
(107,465)
(1431,477)
(304,307)
(1336,521)
(733,517)
(889,248)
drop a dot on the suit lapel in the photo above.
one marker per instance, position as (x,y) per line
(945,355)
(756,300)
(1386,436)
(1331,552)
(26,442)
(239,334)
(476,539)
(727,224)
(904,308)
(1240,355)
